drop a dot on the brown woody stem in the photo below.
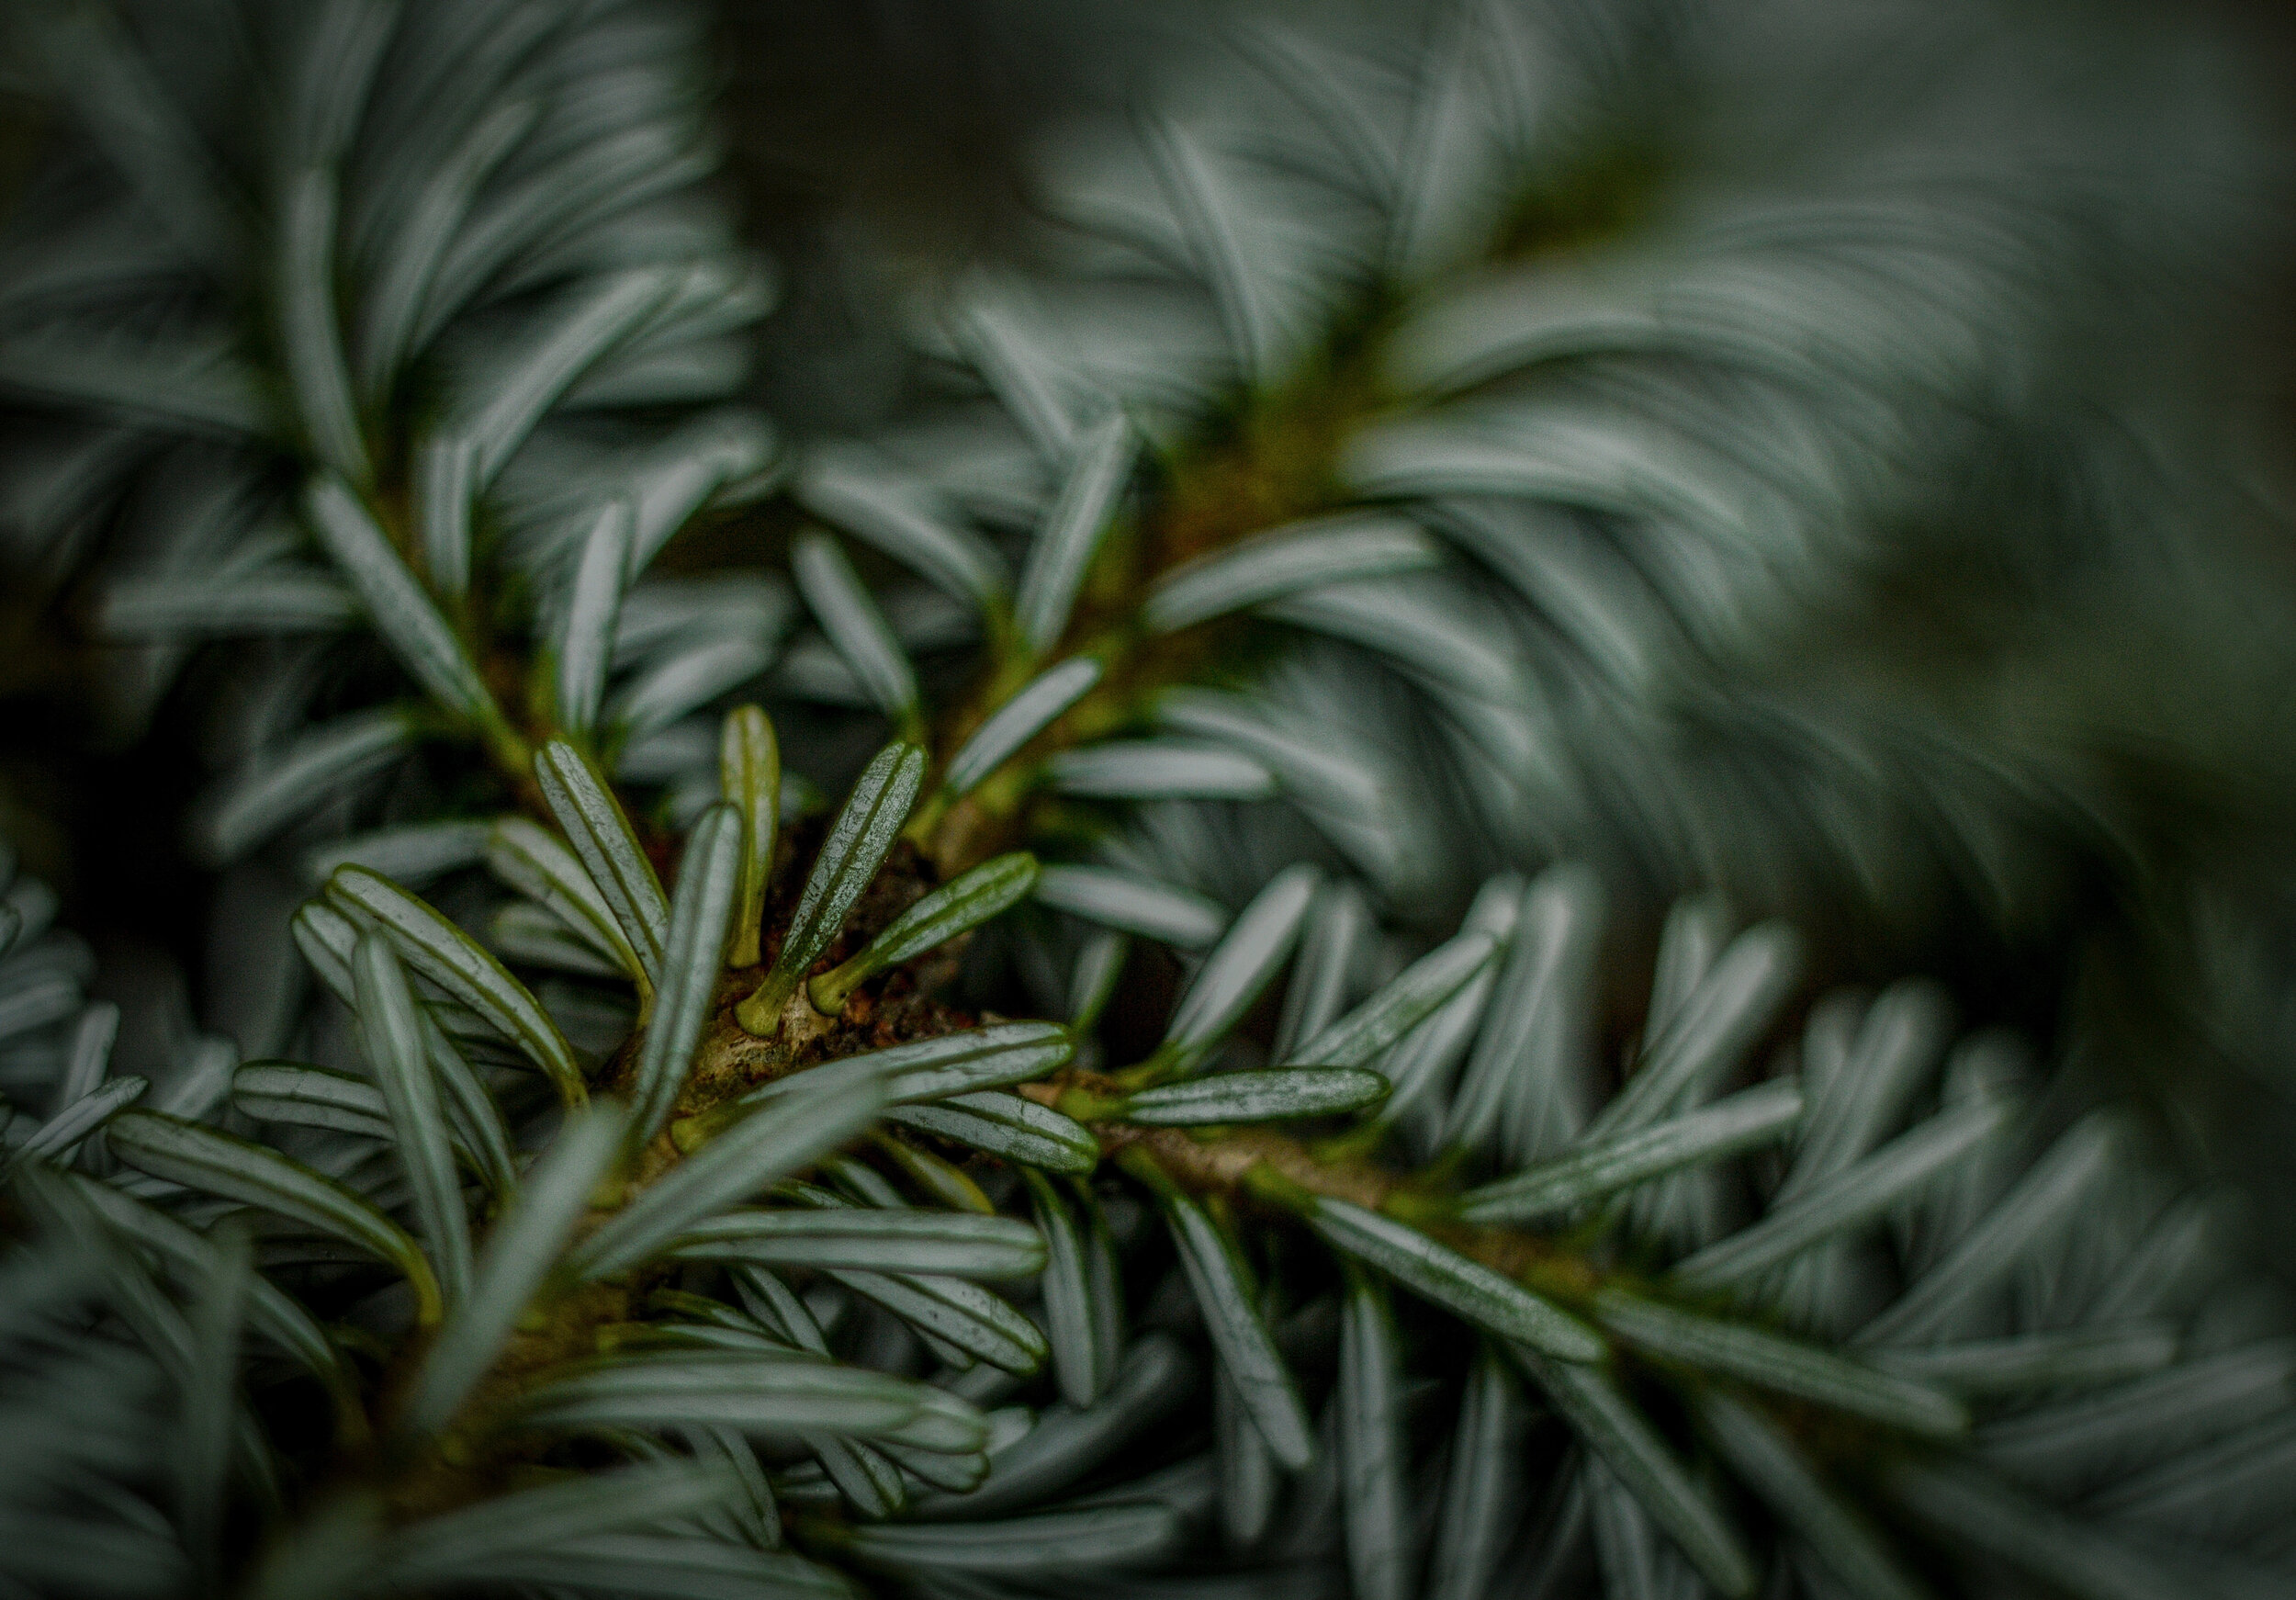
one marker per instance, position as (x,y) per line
(1223,1164)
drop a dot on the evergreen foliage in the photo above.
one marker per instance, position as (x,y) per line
(1415,496)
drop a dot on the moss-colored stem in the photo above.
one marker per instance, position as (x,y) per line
(1256,1165)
